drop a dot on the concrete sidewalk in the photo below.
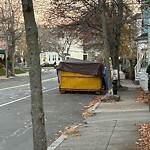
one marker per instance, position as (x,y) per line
(114,127)
(16,75)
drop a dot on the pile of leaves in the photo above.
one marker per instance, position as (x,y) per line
(144,141)
(86,113)
(71,131)
(94,101)
(142,96)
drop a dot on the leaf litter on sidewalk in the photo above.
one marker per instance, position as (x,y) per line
(97,99)
(144,140)
(70,130)
(142,96)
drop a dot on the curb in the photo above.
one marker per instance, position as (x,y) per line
(63,137)
(56,143)
(16,75)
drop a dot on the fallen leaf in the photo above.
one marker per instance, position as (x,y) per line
(142,96)
(71,132)
(144,140)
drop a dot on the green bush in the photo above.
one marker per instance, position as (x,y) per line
(125,70)
(149,83)
(1,65)
(17,71)
(2,72)
(148,71)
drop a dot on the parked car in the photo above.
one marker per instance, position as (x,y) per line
(46,64)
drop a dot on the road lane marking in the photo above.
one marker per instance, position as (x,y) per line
(20,99)
(14,101)
(23,85)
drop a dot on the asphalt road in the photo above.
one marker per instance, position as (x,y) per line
(60,110)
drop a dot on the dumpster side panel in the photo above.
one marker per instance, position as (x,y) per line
(78,82)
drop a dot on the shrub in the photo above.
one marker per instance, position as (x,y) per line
(148,70)
(19,71)
(2,72)
(1,65)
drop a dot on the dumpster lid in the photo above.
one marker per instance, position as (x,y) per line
(81,66)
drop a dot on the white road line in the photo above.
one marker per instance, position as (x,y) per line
(14,101)
(50,89)
(20,99)
(13,87)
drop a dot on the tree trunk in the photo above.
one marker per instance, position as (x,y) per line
(131,70)
(117,33)
(6,59)
(11,45)
(13,49)
(116,62)
(106,46)
(12,60)
(38,121)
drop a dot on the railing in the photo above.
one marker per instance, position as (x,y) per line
(137,67)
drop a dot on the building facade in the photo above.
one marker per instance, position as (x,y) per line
(143,51)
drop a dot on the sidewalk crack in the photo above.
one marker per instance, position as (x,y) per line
(111,134)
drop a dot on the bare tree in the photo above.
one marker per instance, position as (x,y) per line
(38,121)
(56,39)
(21,50)
(87,15)
(10,23)
(106,44)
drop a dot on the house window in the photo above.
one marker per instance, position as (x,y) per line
(44,58)
(67,57)
(49,58)
(84,57)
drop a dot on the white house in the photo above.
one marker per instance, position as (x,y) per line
(75,51)
(143,51)
(50,58)
(142,62)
